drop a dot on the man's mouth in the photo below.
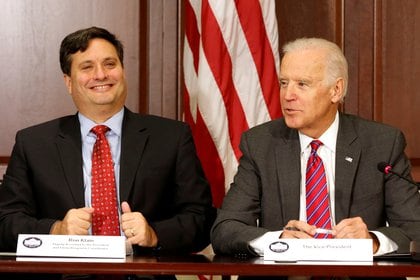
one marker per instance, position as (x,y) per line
(101,87)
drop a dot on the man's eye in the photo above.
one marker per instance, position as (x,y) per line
(302,84)
(283,83)
(86,67)
(110,64)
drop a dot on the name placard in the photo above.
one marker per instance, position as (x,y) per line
(71,246)
(352,250)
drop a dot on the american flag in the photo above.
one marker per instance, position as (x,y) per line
(231,65)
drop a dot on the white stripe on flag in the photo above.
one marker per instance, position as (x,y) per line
(235,85)
(245,74)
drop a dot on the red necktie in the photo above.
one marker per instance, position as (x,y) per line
(317,198)
(104,198)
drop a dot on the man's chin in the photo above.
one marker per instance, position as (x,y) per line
(291,123)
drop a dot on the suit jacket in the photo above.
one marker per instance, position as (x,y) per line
(265,193)
(160,176)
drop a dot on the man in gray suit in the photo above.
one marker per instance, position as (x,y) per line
(267,198)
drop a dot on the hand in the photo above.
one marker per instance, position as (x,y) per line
(76,222)
(136,228)
(298,229)
(354,228)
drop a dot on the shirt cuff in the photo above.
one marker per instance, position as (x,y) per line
(386,245)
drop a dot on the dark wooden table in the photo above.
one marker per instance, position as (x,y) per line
(213,265)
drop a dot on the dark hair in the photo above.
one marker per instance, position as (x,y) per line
(79,41)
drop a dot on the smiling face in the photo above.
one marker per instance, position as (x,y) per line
(97,81)
(308,102)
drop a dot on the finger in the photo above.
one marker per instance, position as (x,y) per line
(351,231)
(301,226)
(295,234)
(74,215)
(88,210)
(125,207)
(298,229)
(129,220)
(133,220)
(129,233)
(86,213)
(341,225)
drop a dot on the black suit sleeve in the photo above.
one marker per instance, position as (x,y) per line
(18,207)
(182,211)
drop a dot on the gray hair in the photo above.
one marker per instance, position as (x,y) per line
(336,62)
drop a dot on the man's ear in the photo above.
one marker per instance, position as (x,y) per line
(337,91)
(67,82)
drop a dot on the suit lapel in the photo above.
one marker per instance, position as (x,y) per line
(69,147)
(347,158)
(133,141)
(288,161)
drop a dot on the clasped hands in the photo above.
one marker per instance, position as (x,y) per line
(347,228)
(133,224)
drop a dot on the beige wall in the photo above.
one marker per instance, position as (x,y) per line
(32,89)
(381,49)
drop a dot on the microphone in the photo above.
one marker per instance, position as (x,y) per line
(415,244)
(387,169)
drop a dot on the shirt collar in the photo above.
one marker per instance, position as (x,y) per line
(114,123)
(328,138)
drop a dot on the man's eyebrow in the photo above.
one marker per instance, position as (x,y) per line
(85,62)
(110,58)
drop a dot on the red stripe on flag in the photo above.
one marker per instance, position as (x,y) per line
(206,149)
(220,64)
(207,153)
(209,70)
(191,33)
(256,36)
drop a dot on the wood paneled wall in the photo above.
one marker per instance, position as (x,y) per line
(160,54)
(32,89)
(382,48)
(379,39)
(399,98)
(307,18)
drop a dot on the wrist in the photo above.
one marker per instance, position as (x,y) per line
(375,242)
(56,228)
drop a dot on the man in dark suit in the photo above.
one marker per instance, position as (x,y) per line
(164,201)
(267,200)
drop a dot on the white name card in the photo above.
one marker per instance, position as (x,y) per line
(71,246)
(287,250)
